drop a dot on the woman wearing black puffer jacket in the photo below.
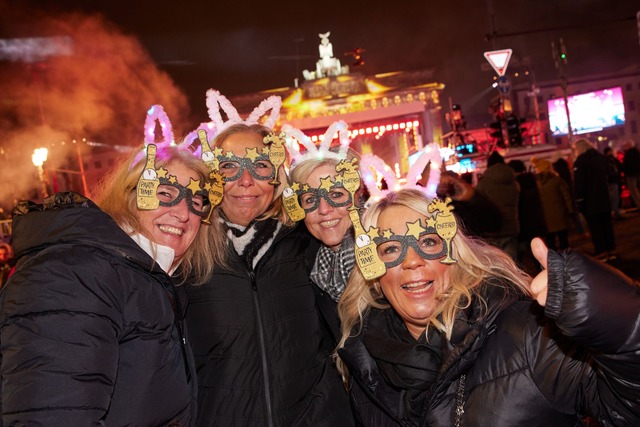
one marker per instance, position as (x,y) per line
(458,341)
(91,328)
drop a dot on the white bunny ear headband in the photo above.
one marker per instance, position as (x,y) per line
(323,151)
(370,163)
(216,102)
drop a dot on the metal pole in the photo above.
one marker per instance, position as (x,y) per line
(85,189)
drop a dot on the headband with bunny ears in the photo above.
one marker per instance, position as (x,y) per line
(312,151)
(216,101)
(151,176)
(370,162)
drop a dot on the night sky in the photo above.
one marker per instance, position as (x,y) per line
(131,54)
(241,47)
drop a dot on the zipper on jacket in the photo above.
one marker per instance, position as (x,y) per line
(263,355)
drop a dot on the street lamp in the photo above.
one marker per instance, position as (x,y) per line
(38,158)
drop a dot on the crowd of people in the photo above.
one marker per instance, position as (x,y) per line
(249,277)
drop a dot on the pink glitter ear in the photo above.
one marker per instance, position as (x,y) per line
(370,163)
(156,112)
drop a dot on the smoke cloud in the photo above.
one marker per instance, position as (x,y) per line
(98,86)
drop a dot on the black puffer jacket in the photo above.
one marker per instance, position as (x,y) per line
(519,364)
(590,176)
(262,353)
(89,334)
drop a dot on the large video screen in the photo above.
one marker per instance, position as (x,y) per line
(589,112)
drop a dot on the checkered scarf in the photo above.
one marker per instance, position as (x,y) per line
(332,268)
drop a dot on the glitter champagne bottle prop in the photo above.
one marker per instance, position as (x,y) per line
(276,153)
(148,182)
(446,225)
(207,155)
(371,266)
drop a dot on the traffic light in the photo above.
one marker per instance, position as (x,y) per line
(496,133)
(514,131)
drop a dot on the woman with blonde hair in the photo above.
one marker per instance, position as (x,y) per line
(262,352)
(450,334)
(92,326)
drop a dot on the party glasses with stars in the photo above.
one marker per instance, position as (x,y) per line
(258,165)
(425,241)
(170,193)
(331,191)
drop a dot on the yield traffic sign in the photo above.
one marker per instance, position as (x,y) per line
(499,59)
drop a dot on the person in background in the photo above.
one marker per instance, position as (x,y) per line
(6,262)
(479,215)
(262,350)
(564,171)
(631,170)
(498,183)
(91,328)
(590,171)
(475,341)
(530,215)
(614,179)
(556,203)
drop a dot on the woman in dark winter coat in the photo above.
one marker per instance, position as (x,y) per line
(556,203)
(91,329)
(455,340)
(591,171)
(262,351)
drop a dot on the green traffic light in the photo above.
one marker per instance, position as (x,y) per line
(563,55)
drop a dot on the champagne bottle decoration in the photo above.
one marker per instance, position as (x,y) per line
(148,182)
(276,153)
(215,187)
(291,204)
(370,265)
(207,155)
(446,225)
(350,178)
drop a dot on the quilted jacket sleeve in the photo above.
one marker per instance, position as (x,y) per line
(598,308)
(59,330)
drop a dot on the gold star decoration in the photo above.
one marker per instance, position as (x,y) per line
(326,183)
(230,154)
(217,151)
(295,186)
(387,233)
(431,222)
(173,179)
(373,232)
(305,187)
(194,185)
(162,172)
(207,186)
(338,179)
(266,150)
(252,154)
(414,229)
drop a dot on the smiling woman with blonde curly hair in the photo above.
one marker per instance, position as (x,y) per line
(469,339)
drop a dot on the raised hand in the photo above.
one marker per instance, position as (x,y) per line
(540,283)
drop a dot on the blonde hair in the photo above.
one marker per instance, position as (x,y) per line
(582,145)
(477,262)
(276,208)
(300,171)
(116,195)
